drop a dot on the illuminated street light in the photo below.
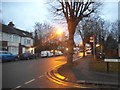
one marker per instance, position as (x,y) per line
(97,45)
(66,49)
(92,39)
(81,43)
(31,50)
(51,51)
(59,31)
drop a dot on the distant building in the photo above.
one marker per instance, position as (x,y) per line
(15,40)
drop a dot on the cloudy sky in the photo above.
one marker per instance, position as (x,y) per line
(25,14)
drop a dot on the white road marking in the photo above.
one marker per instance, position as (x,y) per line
(16,87)
(30,81)
(41,76)
(76,59)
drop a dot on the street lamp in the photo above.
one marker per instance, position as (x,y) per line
(66,49)
(59,31)
(81,43)
(92,39)
(97,45)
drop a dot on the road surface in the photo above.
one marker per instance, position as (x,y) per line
(30,73)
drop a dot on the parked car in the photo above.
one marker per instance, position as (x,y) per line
(88,52)
(7,56)
(26,56)
(46,54)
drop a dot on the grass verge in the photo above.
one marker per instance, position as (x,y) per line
(101,66)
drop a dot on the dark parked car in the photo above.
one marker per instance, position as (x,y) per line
(7,56)
(26,56)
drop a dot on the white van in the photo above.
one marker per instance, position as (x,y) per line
(46,54)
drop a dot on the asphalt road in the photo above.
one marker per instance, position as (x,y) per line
(30,73)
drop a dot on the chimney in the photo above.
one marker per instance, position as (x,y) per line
(11,24)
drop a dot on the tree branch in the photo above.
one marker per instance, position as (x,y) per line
(78,8)
(88,14)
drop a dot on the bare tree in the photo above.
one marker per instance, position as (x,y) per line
(93,26)
(114,30)
(74,12)
(112,40)
(46,37)
(84,30)
(41,35)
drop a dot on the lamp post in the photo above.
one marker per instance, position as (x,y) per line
(59,32)
(119,50)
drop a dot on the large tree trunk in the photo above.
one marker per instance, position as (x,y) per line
(71,29)
(84,48)
(70,50)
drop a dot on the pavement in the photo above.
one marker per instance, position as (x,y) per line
(79,75)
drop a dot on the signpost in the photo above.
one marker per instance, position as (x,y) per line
(110,60)
(119,49)
(92,39)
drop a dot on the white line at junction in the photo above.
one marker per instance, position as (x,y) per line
(16,87)
(29,81)
(41,76)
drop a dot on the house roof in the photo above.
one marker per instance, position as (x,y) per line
(12,30)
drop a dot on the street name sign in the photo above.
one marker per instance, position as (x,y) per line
(112,60)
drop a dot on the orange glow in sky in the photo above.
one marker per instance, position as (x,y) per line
(59,30)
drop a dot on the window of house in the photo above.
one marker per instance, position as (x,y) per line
(24,41)
(28,41)
(10,37)
(13,50)
(15,38)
